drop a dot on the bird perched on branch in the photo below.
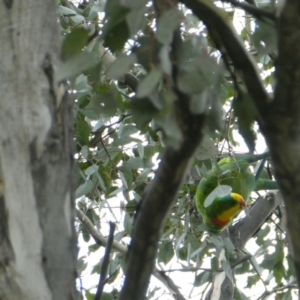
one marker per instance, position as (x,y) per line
(225,189)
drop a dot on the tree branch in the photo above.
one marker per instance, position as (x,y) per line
(98,237)
(253,10)
(105,262)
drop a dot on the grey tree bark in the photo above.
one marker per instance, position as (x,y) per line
(37,237)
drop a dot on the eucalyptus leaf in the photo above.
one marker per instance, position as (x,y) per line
(227,268)
(121,66)
(136,20)
(91,170)
(265,36)
(84,189)
(207,149)
(167,23)
(149,83)
(78,63)
(62,10)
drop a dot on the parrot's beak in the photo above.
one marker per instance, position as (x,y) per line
(243,203)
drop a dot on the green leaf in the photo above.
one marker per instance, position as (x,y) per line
(166,252)
(82,131)
(104,102)
(91,170)
(142,112)
(207,149)
(265,36)
(84,152)
(127,176)
(121,66)
(117,37)
(167,24)
(215,115)
(84,189)
(137,163)
(200,102)
(202,278)
(239,295)
(279,269)
(81,264)
(76,64)
(148,52)
(227,268)
(115,30)
(85,234)
(94,247)
(62,10)
(246,112)
(136,20)
(149,83)
(127,223)
(89,295)
(124,182)
(287,295)
(252,280)
(260,236)
(74,43)
(78,20)
(242,268)
(140,150)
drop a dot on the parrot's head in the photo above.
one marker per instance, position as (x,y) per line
(230,206)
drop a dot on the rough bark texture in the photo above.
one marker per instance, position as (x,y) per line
(37,237)
(282,129)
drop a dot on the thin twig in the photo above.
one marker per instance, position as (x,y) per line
(105,262)
(277,289)
(254,11)
(234,264)
(98,237)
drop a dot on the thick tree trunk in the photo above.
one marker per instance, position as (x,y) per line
(282,130)
(37,237)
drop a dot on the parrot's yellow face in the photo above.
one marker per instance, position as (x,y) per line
(226,216)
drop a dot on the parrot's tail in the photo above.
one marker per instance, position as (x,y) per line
(253,158)
(266,184)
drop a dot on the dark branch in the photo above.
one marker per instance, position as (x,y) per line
(105,262)
(253,10)
(161,195)
(172,286)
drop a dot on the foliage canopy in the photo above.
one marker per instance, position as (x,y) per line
(127,63)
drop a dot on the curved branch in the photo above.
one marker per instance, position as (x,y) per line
(98,237)
(253,10)
(225,38)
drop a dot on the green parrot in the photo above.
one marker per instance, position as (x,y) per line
(224,191)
